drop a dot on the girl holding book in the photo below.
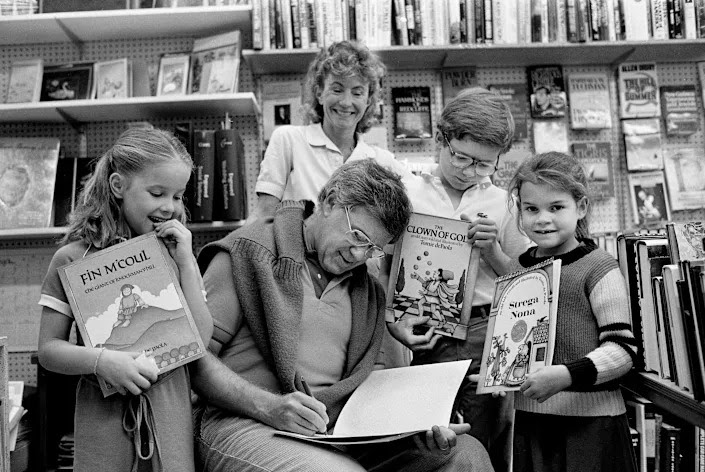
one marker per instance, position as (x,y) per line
(137,187)
(568,411)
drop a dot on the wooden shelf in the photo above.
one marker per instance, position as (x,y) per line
(79,27)
(435,57)
(667,396)
(83,111)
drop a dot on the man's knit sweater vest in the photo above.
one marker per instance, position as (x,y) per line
(267,258)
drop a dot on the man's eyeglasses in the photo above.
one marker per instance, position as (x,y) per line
(359,239)
(462,161)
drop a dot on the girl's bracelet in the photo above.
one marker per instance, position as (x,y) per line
(95,366)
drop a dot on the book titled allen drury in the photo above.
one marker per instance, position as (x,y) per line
(127,298)
(429,273)
(522,326)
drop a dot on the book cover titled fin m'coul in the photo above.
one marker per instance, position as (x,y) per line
(127,297)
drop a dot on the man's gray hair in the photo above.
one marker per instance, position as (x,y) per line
(378,189)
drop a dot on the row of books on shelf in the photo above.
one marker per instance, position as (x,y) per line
(31,7)
(662,442)
(293,24)
(39,189)
(212,66)
(665,273)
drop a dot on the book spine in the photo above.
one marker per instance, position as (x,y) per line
(296,24)
(230,176)
(311,21)
(659,19)
(677,20)
(352,19)
(204,170)
(489,18)
(561,25)
(700,18)
(552,20)
(257,38)
(689,19)
(479,21)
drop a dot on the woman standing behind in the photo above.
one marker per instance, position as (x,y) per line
(343,86)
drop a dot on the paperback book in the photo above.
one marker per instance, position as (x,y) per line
(647,190)
(680,109)
(522,327)
(456,79)
(516,96)
(429,274)
(27,178)
(25,81)
(412,113)
(597,158)
(685,176)
(638,90)
(685,241)
(128,298)
(508,165)
(589,101)
(550,135)
(642,144)
(548,98)
(281,103)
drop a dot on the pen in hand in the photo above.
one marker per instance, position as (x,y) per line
(308,392)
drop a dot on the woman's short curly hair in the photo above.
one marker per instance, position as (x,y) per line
(344,59)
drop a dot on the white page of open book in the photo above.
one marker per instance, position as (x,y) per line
(402,400)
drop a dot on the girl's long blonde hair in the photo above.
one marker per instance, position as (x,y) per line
(97,218)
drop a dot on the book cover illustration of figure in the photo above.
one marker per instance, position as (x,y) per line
(127,298)
(548,98)
(649,199)
(429,273)
(522,325)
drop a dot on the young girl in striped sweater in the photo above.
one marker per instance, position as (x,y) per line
(571,415)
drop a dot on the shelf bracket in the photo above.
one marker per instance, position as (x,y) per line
(75,124)
(72,36)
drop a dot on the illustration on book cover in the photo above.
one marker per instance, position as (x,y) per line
(127,298)
(521,328)
(428,274)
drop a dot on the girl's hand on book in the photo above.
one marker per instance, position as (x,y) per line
(126,374)
(177,239)
(403,331)
(296,412)
(475,378)
(546,382)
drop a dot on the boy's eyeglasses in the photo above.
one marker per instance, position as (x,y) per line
(463,161)
(359,239)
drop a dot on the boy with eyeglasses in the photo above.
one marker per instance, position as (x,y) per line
(474,130)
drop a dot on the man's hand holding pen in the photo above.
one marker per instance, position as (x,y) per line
(296,412)
(308,392)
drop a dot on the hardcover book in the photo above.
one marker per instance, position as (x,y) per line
(597,159)
(589,101)
(412,113)
(650,208)
(27,178)
(25,81)
(202,182)
(67,82)
(112,79)
(215,63)
(429,272)
(516,96)
(522,327)
(680,109)
(638,90)
(455,79)
(685,176)
(230,192)
(127,298)
(548,98)
(71,174)
(642,144)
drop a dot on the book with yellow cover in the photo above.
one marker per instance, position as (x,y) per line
(522,326)
(127,297)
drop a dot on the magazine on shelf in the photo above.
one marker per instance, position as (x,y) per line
(522,326)
(128,298)
(430,274)
(391,404)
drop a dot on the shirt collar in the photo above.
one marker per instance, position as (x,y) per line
(317,138)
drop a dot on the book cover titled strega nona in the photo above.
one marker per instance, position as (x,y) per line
(127,298)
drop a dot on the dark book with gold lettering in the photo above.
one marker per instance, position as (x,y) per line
(128,298)
(430,273)
(521,328)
